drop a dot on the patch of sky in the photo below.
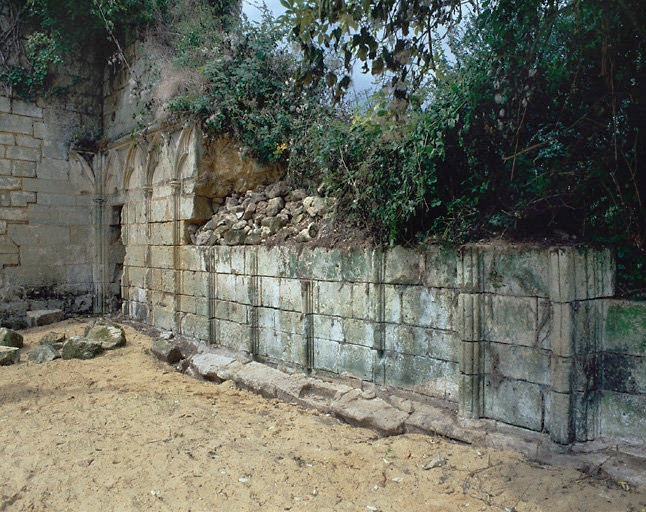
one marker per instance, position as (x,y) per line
(364,84)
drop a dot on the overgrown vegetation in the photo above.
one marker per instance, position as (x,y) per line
(38,35)
(530,129)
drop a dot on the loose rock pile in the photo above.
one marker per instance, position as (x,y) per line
(10,344)
(264,212)
(100,335)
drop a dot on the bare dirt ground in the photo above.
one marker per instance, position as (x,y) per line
(124,432)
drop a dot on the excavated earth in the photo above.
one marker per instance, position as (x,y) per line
(125,432)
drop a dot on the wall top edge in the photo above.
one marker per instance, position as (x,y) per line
(515,248)
(532,246)
(126,139)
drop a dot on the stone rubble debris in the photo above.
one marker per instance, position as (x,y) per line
(100,335)
(259,214)
(437,462)
(55,339)
(9,355)
(109,335)
(43,354)
(81,348)
(10,338)
(166,351)
(44,317)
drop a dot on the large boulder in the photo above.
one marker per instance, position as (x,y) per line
(10,338)
(9,355)
(108,334)
(166,351)
(53,339)
(43,354)
(81,348)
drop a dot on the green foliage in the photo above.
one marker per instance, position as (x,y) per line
(53,29)
(250,91)
(389,37)
(533,132)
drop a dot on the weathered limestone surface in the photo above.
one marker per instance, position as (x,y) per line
(46,192)
(43,354)
(55,339)
(166,351)
(81,348)
(44,317)
(45,204)
(10,338)
(507,333)
(622,364)
(107,334)
(9,355)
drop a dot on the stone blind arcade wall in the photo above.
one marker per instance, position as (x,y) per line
(524,335)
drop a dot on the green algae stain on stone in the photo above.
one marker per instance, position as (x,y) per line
(622,415)
(625,328)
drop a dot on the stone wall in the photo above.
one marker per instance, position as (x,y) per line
(528,336)
(621,370)
(46,205)
(523,335)
(47,191)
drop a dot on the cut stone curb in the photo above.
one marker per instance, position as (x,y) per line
(43,354)
(9,355)
(10,338)
(44,317)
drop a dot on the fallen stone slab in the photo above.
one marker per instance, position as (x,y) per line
(81,348)
(9,355)
(290,388)
(43,354)
(309,392)
(44,317)
(10,338)
(443,422)
(109,335)
(259,378)
(54,339)
(373,413)
(319,394)
(166,351)
(268,381)
(208,365)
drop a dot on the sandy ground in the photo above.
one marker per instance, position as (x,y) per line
(125,432)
